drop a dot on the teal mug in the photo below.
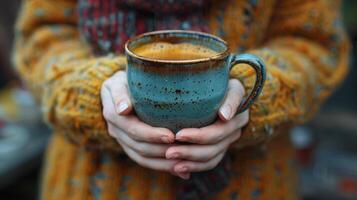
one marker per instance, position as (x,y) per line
(178,94)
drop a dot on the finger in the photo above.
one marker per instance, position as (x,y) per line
(213,133)
(142,132)
(190,166)
(185,176)
(151,163)
(233,99)
(142,148)
(201,153)
(135,128)
(107,103)
(118,89)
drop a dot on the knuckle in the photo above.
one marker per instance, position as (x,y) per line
(108,113)
(142,149)
(162,131)
(134,133)
(217,135)
(151,137)
(222,134)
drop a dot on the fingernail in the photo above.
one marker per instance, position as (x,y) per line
(180,138)
(183,169)
(165,139)
(177,135)
(123,105)
(173,156)
(226,112)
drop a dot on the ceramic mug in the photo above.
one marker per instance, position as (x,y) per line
(178,94)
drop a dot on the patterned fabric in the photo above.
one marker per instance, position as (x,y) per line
(303,44)
(108,24)
(205,185)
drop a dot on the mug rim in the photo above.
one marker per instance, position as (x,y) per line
(218,56)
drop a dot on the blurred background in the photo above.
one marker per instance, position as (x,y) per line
(326,148)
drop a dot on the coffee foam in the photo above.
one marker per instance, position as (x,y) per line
(169,51)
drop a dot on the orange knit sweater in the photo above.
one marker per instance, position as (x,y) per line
(301,41)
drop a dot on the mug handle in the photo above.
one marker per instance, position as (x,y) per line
(258,65)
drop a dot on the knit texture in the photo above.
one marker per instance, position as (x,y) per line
(108,24)
(302,43)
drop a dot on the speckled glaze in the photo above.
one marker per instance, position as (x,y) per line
(178,94)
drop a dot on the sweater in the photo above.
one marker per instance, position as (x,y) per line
(303,44)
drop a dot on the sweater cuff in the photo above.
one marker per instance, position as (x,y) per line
(267,118)
(72,102)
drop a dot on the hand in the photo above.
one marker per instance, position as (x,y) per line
(211,142)
(143,143)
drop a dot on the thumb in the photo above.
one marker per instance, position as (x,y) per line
(118,88)
(232,101)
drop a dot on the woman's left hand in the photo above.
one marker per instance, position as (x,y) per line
(210,143)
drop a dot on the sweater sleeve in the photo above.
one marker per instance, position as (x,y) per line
(306,54)
(61,71)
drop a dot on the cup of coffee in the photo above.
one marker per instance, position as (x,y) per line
(178,79)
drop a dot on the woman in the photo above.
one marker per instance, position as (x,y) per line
(78,75)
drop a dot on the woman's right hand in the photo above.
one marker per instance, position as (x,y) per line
(144,144)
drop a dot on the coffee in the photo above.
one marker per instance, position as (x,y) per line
(169,51)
